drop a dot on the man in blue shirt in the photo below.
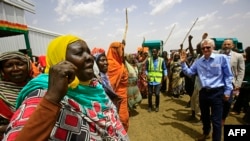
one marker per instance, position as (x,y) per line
(155,70)
(215,75)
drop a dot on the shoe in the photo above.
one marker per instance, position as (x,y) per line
(163,91)
(175,97)
(188,104)
(203,137)
(223,122)
(234,113)
(191,118)
(197,123)
(149,109)
(156,109)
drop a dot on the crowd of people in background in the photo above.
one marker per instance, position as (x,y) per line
(90,94)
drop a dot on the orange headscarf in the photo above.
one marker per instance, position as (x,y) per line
(116,51)
(145,49)
(118,76)
(139,49)
(115,60)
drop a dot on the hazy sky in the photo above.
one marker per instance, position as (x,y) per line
(100,22)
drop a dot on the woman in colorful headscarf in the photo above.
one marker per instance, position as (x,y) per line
(65,103)
(102,64)
(139,53)
(15,71)
(142,77)
(176,81)
(134,94)
(118,76)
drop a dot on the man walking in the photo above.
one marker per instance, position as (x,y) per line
(155,69)
(215,75)
(238,69)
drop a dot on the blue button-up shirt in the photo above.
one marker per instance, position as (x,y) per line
(213,72)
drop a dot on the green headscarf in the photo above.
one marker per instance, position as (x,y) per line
(85,95)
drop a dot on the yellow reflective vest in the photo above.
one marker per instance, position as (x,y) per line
(155,74)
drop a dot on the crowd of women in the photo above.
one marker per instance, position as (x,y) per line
(85,94)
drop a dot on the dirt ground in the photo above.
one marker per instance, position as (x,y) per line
(169,124)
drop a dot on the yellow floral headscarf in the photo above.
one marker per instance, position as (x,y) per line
(56,52)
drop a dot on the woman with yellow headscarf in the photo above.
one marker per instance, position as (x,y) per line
(66,102)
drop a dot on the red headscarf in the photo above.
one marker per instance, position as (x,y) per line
(42,61)
(96,52)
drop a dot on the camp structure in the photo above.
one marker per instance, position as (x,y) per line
(16,35)
(12,19)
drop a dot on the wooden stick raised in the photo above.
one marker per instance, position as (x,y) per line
(169,35)
(126,26)
(189,31)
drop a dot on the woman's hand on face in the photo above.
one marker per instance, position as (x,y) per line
(60,75)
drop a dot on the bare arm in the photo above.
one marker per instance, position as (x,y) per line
(190,47)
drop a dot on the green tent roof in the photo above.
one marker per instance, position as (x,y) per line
(219,41)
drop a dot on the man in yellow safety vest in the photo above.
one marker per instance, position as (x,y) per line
(155,69)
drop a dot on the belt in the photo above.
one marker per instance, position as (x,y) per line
(212,89)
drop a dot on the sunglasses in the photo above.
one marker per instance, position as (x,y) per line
(203,48)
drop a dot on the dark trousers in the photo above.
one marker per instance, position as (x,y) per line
(189,85)
(164,85)
(154,89)
(212,100)
(242,100)
(227,106)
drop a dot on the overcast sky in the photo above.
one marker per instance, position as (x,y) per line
(100,22)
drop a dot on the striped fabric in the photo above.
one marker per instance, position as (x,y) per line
(9,92)
(13,54)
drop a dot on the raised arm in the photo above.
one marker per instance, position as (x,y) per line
(190,47)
